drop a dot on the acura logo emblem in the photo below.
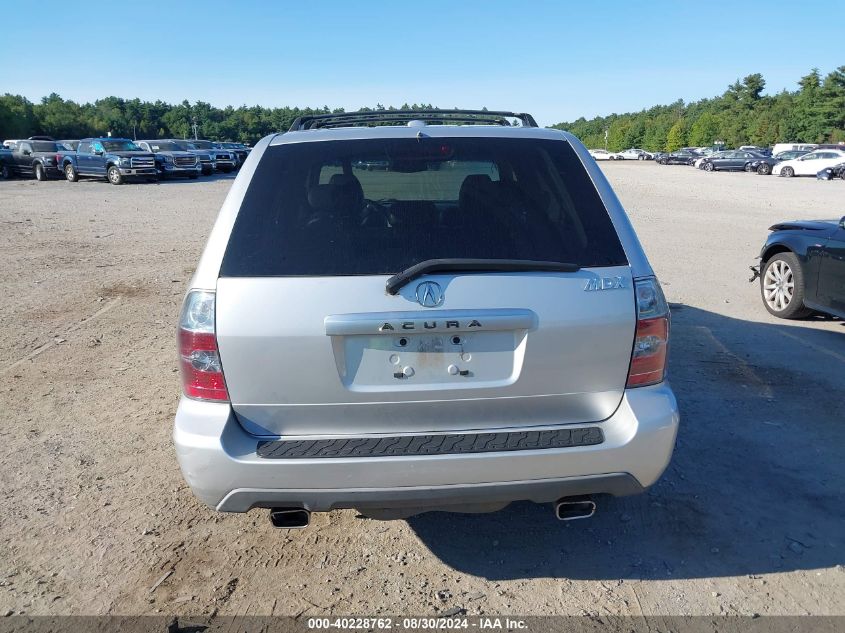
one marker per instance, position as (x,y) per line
(429,294)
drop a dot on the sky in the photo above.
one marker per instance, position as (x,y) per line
(557,60)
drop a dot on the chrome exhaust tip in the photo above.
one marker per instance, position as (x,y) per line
(290,518)
(572,508)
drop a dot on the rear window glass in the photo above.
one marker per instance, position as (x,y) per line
(379,206)
(44,146)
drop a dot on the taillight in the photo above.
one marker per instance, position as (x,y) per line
(199,360)
(648,360)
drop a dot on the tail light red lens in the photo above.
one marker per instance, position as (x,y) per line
(651,342)
(199,359)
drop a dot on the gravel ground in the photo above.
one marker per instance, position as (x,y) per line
(97,519)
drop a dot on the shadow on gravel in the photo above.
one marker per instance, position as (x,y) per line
(755,485)
(183,179)
(133,181)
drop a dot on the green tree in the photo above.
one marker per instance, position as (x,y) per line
(676,137)
(741,115)
(705,130)
(17,117)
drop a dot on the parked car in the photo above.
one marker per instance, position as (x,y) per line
(830,173)
(170,160)
(224,160)
(756,149)
(802,269)
(205,157)
(634,154)
(331,358)
(36,158)
(764,167)
(239,150)
(658,156)
(680,157)
(736,160)
(698,163)
(115,159)
(809,164)
(786,147)
(599,154)
(6,163)
(790,154)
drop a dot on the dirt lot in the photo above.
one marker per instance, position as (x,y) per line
(748,519)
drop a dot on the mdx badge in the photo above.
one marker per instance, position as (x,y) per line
(604,283)
(429,294)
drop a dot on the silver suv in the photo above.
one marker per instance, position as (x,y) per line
(448,310)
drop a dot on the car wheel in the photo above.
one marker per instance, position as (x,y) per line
(842,174)
(787,172)
(708,167)
(764,169)
(782,287)
(114,176)
(749,167)
(640,157)
(40,174)
(6,172)
(70,173)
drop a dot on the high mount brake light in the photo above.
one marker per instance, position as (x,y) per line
(199,359)
(651,342)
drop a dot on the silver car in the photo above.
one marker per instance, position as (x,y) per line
(473,324)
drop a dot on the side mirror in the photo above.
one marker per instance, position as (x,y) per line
(98,152)
(842,222)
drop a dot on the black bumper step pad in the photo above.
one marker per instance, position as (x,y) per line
(414,445)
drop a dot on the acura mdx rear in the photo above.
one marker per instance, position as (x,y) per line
(422,316)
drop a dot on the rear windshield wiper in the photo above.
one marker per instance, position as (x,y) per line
(469,265)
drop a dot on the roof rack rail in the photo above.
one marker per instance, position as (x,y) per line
(381,117)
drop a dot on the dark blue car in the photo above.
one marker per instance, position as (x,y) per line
(802,269)
(114,159)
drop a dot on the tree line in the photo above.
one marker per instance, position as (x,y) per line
(742,115)
(133,118)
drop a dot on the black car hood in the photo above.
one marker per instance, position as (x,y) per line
(824,226)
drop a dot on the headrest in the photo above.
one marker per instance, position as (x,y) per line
(475,189)
(321,198)
(348,188)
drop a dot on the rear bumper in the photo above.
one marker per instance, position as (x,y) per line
(220,462)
